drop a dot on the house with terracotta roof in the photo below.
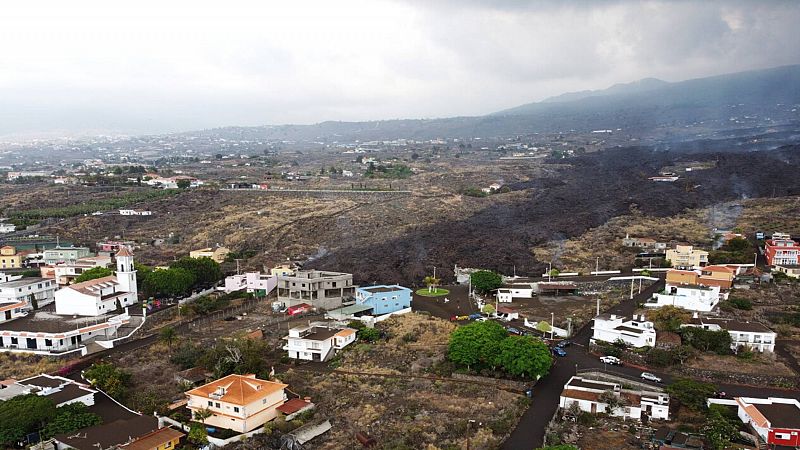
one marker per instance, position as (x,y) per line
(776,420)
(685,256)
(240,403)
(591,394)
(317,341)
(101,295)
(162,439)
(295,406)
(720,276)
(9,258)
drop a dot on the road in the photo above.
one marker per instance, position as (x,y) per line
(529,433)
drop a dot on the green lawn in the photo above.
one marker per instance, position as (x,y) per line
(438,292)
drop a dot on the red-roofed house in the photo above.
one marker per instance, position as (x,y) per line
(295,406)
(776,420)
(238,402)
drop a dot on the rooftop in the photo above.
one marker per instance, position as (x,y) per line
(321,334)
(154,439)
(46,321)
(69,392)
(238,389)
(44,381)
(109,434)
(589,384)
(382,289)
(733,325)
(93,287)
(293,405)
(23,282)
(781,415)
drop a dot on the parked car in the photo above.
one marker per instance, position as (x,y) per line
(481,319)
(564,343)
(475,316)
(610,360)
(650,377)
(558,351)
(513,330)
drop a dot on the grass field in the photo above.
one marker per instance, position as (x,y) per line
(438,292)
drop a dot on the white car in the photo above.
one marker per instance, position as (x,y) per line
(481,319)
(610,360)
(650,377)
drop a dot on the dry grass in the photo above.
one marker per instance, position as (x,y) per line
(579,254)
(17,365)
(759,365)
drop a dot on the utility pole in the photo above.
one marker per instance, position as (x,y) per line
(597,265)
(549,271)
(552,325)
(598,306)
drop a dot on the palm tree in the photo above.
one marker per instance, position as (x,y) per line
(168,335)
(202,415)
(431,282)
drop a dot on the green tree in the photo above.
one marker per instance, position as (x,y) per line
(485,281)
(719,429)
(198,434)
(669,318)
(110,379)
(205,270)
(369,334)
(692,394)
(431,282)
(94,273)
(524,356)
(707,340)
(70,418)
(467,343)
(184,183)
(613,402)
(168,335)
(168,282)
(24,414)
(488,309)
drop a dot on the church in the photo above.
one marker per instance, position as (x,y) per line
(101,295)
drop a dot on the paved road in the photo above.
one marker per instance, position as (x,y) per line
(529,433)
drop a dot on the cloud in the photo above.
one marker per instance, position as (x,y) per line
(155,66)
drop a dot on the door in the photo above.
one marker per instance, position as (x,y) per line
(8,315)
(315,356)
(594,408)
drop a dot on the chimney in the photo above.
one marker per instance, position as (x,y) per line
(307,399)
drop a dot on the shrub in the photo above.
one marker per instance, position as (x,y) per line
(741,303)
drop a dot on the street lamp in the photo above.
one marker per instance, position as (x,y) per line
(470,422)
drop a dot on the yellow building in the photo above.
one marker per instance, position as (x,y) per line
(161,439)
(282,270)
(9,259)
(685,256)
(240,403)
(217,254)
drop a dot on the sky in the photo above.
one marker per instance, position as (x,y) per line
(88,66)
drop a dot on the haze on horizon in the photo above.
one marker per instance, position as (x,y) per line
(151,67)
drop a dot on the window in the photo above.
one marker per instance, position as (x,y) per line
(210,403)
(235,409)
(264,401)
(783,436)
(168,444)
(218,405)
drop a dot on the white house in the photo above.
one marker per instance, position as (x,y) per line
(101,295)
(590,396)
(66,273)
(6,227)
(689,297)
(132,212)
(743,334)
(636,332)
(316,342)
(253,282)
(32,292)
(775,419)
(507,293)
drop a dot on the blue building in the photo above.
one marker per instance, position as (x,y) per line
(384,299)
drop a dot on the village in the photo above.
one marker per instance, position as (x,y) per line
(680,352)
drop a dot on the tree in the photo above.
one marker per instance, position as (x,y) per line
(431,282)
(168,335)
(692,394)
(524,356)
(553,272)
(108,378)
(71,417)
(707,340)
(613,402)
(94,273)
(202,415)
(168,282)
(488,309)
(719,429)
(669,318)
(205,270)
(466,343)
(369,334)
(184,183)
(198,434)
(24,414)
(485,281)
